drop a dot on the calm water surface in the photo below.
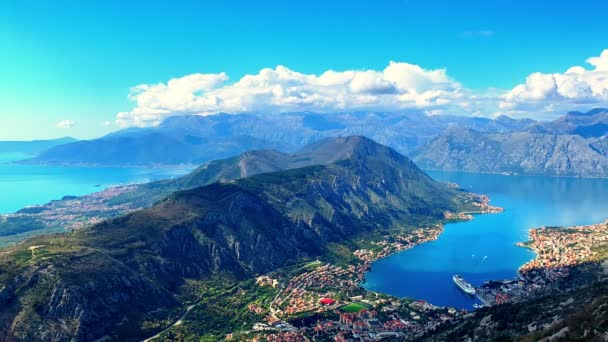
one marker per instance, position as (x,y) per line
(23,185)
(484,248)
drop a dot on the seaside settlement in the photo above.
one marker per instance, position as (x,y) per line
(559,250)
(325,302)
(322,301)
(68,213)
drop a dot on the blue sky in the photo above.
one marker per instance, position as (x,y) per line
(76,61)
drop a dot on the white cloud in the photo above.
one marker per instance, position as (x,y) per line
(66,124)
(398,86)
(547,93)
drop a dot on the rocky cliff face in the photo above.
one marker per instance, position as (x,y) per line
(118,279)
(77,295)
(519,152)
(591,124)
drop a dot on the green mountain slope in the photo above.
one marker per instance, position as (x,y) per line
(125,278)
(109,204)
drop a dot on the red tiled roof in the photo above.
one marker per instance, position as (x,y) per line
(327,301)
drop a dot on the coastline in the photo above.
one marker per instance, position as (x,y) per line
(152,166)
(73,207)
(483,203)
(516,174)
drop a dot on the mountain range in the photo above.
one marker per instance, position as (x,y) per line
(193,139)
(591,124)
(574,145)
(125,278)
(32,147)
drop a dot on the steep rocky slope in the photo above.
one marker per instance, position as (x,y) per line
(41,219)
(518,152)
(591,124)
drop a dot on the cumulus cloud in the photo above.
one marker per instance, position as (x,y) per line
(547,93)
(66,124)
(398,86)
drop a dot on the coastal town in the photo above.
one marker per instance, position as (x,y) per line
(397,243)
(71,212)
(339,309)
(557,247)
(324,301)
(327,303)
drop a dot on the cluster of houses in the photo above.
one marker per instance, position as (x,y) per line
(401,242)
(267,281)
(313,291)
(562,247)
(78,212)
(483,202)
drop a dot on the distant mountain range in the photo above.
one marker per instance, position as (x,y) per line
(574,145)
(32,147)
(592,124)
(196,139)
(124,278)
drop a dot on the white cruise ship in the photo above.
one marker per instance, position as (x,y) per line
(463,284)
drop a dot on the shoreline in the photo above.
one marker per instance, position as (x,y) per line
(515,174)
(449,218)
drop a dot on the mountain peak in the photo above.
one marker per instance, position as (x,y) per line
(591,112)
(334,149)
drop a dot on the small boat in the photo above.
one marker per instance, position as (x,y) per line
(463,284)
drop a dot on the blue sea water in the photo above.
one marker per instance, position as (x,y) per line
(23,185)
(484,249)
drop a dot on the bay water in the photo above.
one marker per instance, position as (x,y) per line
(484,249)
